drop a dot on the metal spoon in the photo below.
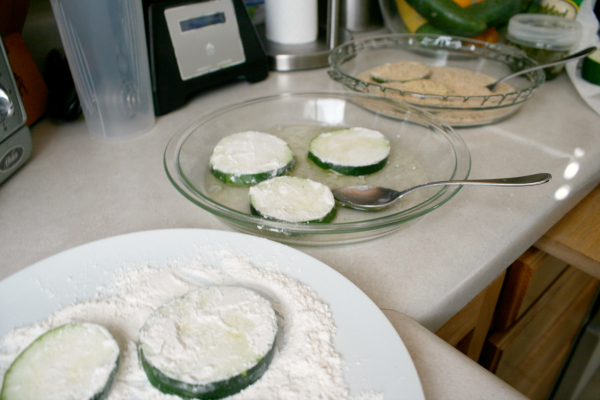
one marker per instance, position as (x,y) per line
(371,198)
(572,57)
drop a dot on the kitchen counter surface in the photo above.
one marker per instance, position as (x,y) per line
(77,188)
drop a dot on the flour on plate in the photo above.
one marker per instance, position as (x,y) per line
(306,365)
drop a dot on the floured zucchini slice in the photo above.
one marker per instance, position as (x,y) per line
(353,151)
(248,158)
(74,361)
(292,199)
(209,344)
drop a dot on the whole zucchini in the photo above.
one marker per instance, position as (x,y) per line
(494,12)
(430,29)
(449,17)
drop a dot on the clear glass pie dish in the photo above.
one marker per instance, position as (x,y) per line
(423,148)
(350,60)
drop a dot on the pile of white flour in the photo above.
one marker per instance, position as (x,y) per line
(306,365)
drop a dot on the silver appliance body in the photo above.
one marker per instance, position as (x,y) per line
(360,15)
(15,138)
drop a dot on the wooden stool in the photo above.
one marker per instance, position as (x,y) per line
(522,325)
(576,240)
(576,237)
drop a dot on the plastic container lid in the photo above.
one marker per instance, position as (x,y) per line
(544,31)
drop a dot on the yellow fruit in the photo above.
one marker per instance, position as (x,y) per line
(411,18)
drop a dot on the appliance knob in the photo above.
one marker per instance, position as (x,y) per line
(7,108)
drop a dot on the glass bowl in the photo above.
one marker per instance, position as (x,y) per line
(494,59)
(423,148)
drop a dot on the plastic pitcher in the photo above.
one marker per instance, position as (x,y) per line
(105,45)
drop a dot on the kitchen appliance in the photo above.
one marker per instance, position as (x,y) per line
(360,15)
(293,57)
(197,44)
(337,20)
(15,138)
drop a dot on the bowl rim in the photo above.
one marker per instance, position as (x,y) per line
(175,174)
(442,43)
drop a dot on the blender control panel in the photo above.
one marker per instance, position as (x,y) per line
(194,45)
(205,37)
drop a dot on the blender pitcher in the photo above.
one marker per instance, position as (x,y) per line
(105,45)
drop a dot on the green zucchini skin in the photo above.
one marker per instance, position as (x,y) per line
(247,158)
(250,179)
(449,17)
(430,29)
(325,220)
(103,394)
(337,151)
(590,68)
(292,199)
(348,170)
(215,390)
(220,359)
(494,12)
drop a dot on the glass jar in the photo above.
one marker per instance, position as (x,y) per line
(545,38)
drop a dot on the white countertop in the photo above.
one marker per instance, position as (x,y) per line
(77,188)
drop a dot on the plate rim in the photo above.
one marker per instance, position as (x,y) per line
(410,375)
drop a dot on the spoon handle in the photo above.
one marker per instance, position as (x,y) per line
(574,56)
(528,180)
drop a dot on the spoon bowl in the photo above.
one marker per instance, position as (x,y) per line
(372,198)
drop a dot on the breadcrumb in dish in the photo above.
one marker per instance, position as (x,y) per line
(455,95)
(443,81)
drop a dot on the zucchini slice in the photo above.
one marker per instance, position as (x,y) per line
(292,199)
(590,68)
(209,344)
(353,151)
(247,158)
(74,361)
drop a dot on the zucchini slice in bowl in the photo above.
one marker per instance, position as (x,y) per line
(402,71)
(209,344)
(247,158)
(292,199)
(77,360)
(352,151)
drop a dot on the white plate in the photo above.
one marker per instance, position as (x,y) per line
(375,358)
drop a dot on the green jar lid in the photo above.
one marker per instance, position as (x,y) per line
(544,31)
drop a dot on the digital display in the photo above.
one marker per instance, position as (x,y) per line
(202,21)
